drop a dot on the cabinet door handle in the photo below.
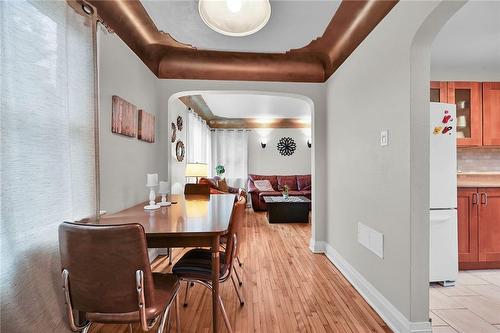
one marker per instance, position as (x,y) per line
(484,198)
(474,198)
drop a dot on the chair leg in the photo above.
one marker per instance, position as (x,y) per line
(186,295)
(240,297)
(164,319)
(86,329)
(239,262)
(240,282)
(177,314)
(224,315)
(130,328)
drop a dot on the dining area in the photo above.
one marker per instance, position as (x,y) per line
(107,276)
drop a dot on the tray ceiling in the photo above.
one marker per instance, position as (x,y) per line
(293,24)
(171,59)
(240,105)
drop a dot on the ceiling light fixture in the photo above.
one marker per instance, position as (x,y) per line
(235,17)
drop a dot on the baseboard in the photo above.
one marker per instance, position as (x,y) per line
(392,316)
(316,246)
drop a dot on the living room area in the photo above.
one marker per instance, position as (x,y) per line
(257,141)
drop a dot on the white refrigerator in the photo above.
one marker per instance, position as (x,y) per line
(443,194)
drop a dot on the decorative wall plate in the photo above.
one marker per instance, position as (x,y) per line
(174,133)
(179,151)
(286,146)
(179,123)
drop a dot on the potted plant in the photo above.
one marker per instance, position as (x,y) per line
(219,170)
(285,191)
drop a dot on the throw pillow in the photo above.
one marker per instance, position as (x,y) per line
(263,185)
(222,185)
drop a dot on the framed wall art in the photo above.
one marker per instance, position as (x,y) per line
(123,117)
(147,126)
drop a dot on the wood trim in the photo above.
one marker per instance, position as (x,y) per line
(479,265)
(170,59)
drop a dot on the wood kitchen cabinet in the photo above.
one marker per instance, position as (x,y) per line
(491,113)
(467,96)
(467,225)
(439,92)
(478,228)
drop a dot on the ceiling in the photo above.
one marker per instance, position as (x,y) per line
(471,38)
(293,24)
(241,105)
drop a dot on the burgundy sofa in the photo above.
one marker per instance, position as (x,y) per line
(298,185)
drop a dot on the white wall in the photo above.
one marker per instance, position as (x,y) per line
(268,161)
(387,187)
(124,161)
(177,170)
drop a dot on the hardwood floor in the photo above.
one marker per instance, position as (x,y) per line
(286,288)
(472,306)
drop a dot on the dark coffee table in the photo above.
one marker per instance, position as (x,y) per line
(290,210)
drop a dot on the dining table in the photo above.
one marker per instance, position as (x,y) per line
(190,221)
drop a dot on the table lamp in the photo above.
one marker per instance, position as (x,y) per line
(164,189)
(196,170)
(152,182)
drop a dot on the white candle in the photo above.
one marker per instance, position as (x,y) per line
(164,188)
(152,179)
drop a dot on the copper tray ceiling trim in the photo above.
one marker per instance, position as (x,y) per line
(199,106)
(170,59)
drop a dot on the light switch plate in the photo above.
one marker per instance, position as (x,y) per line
(384,138)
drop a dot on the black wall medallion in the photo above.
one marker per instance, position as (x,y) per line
(286,146)
(179,123)
(179,151)
(174,133)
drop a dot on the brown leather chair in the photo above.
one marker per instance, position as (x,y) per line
(197,189)
(107,277)
(196,265)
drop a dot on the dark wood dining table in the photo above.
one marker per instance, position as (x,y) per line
(193,221)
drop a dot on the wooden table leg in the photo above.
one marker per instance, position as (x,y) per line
(215,281)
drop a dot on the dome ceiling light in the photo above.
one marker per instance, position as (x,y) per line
(235,17)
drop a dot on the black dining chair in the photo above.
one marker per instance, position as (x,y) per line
(106,276)
(196,265)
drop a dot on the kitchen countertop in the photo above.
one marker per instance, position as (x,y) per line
(478,179)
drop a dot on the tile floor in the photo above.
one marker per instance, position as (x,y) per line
(471,306)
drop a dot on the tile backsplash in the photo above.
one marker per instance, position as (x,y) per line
(470,160)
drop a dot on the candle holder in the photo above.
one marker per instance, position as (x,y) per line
(152,182)
(164,201)
(152,196)
(164,187)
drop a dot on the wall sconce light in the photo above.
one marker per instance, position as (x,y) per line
(263,143)
(309,143)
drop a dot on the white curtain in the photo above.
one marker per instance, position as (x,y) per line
(47,154)
(198,147)
(230,149)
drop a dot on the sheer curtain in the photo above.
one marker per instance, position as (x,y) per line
(47,154)
(230,148)
(198,140)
